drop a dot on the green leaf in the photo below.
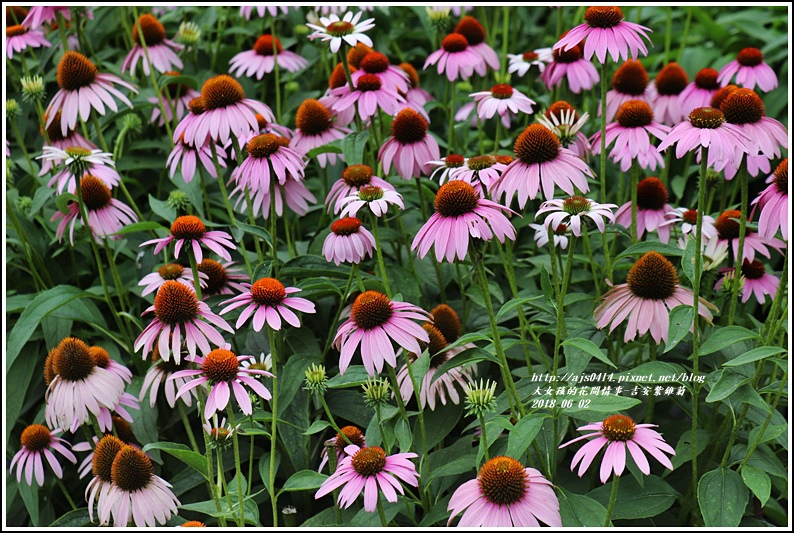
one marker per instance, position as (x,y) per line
(512,304)
(545,284)
(366,520)
(303,480)
(316,427)
(457,466)
(727,336)
(329,148)
(652,372)
(683,450)
(312,266)
(145,225)
(403,433)
(523,433)
(469,357)
(30,497)
(727,383)
(591,408)
(354,376)
(73,519)
(353,147)
(588,346)
(649,246)
(20,375)
(253,230)
(177,80)
(440,422)
(722,496)
(44,304)
(634,502)
(162,209)
(264,468)
(194,460)
(580,511)
(757,481)
(770,433)
(756,354)
(681,320)
(688,261)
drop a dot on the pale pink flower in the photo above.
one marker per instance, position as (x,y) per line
(268,301)
(560,235)
(162,52)
(571,212)
(39,442)
(189,230)
(756,281)
(700,92)
(631,134)
(245,11)
(750,70)
(391,77)
(370,94)
(375,198)
(652,210)
(569,65)
(353,178)
(455,58)
(505,494)
(563,120)
(347,29)
(63,143)
(621,436)
(352,433)
(348,242)
(504,100)
(79,162)
(370,470)
(474,32)
(82,88)
(651,291)
(40,15)
(176,98)
(445,167)
(185,156)
(172,271)
(410,146)
(482,169)
(774,204)
(688,219)
(375,321)
(705,127)
(160,374)
(18,38)
(520,64)
(221,369)
(727,225)
(267,52)
(221,278)
(665,92)
(314,127)
(605,30)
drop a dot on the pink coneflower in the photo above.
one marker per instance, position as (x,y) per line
(176,308)
(474,32)
(176,98)
(338,79)
(190,231)
(78,387)
(688,219)
(563,120)
(195,108)
(571,212)
(375,321)
(377,199)
(620,435)
(101,466)
(706,127)
(263,57)
(541,162)
(631,133)
(461,213)
(369,469)
(520,64)
(18,38)
(750,71)
(650,291)
(228,113)
(38,441)
(221,278)
(162,52)
(160,374)
(105,418)
(315,127)
(268,301)
(505,494)
(348,242)
(40,15)
(377,64)
(773,202)
(125,433)
(293,193)
(571,66)
(185,157)
(245,11)
(560,235)
(744,108)
(756,281)
(79,162)
(604,31)
(484,169)
(410,146)
(172,271)
(62,142)
(455,58)
(222,370)
(347,29)
(352,433)
(81,89)
(727,225)
(504,100)
(665,93)
(447,384)
(652,210)
(270,161)
(415,95)
(445,167)
(106,215)
(700,92)
(353,178)
(630,82)
(136,494)
(371,95)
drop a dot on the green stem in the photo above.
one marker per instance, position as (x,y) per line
(21,143)
(603,163)
(589,251)
(451,139)
(62,30)
(684,34)
(512,394)
(221,26)
(379,252)
(442,287)
(208,453)
(237,465)
(194,269)
(635,174)
(331,453)
(343,299)
(768,419)
(704,158)
(276,70)
(613,496)
(505,30)
(417,392)
(743,186)
(189,430)
(66,493)
(121,290)
(483,438)
(332,421)
(271,337)
(382,515)
(668,36)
